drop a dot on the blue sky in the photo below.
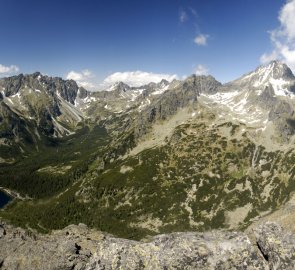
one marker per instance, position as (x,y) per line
(94,39)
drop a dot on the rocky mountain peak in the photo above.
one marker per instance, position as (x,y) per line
(67,89)
(275,74)
(37,74)
(120,87)
(276,70)
(163,83)
(204,84)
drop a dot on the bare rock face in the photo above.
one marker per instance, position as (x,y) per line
(276,245)
(78,247)
(213,250)
(20,249)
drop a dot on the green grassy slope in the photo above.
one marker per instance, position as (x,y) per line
(195,182)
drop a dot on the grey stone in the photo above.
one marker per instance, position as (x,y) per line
(277,245)
(78,247)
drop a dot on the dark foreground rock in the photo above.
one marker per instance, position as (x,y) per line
(78,247)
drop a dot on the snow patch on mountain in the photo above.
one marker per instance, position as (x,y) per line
(160,90)
(280,88)
(132,95)
(144,104)
(263,73)
(222,97)
(235,106)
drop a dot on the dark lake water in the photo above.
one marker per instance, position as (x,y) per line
(4,199)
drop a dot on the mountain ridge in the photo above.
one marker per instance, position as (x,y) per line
(78,247)
(136,161)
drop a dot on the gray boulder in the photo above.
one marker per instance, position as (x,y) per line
(276,245)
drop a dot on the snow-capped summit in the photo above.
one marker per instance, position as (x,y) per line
(276,74)
(119,86)
(163,83)
(275,70)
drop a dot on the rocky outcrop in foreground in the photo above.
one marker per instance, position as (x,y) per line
(78,247)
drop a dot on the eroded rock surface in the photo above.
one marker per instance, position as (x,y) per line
(277,245)
(78,247)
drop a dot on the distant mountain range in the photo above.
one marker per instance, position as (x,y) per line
(136,161)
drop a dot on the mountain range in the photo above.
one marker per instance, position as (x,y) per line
(184,155)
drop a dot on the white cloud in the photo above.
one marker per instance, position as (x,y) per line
(73,75)
(8,69)
(283,37)
(79,76)
(136,78)
(186,14)
(201,39)
(267,57)
(193,11)
(82,78)
(286,18)
(87,85)
(201,70)
(183,16)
